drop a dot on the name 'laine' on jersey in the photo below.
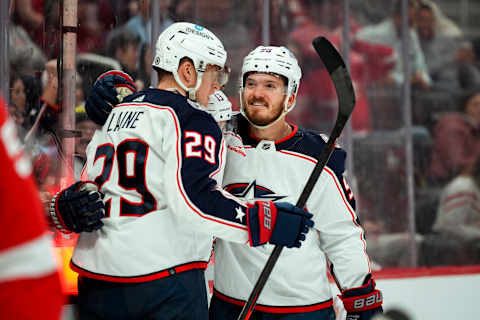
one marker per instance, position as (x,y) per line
(124,119)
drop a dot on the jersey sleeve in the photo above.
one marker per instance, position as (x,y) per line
(341,236)
(29,282)
(197,160)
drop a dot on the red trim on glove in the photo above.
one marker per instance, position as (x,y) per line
(118,73)
(267,216)
(364,302)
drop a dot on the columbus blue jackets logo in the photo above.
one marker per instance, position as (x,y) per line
(252,191)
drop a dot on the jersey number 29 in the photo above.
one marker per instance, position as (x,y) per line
(127,150)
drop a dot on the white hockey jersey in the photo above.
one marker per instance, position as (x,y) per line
(156,160)
(278,171)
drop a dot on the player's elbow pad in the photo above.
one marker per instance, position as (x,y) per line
(364,302)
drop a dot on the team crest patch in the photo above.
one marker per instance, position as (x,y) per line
(252,191)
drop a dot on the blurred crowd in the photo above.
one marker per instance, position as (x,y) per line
(443,62)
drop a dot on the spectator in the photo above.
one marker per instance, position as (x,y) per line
(41,138)
(93,25)
(29,14)
(141,24)
(454,139)
(458,215)
(444,25)
(50,37)
(368,63)
(389,32)
(456,230)
(16,107)
(124,47)
(18,98)
(24,55)
(449,65)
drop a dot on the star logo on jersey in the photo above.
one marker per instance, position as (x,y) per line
(252,192)
(240,214)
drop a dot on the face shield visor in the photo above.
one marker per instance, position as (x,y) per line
(218,74)
(221,75)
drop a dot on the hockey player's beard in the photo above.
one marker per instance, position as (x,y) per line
(258,118)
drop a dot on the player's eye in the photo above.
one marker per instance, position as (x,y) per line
(271,85)
(250,84)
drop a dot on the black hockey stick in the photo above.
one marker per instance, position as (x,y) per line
(346,102)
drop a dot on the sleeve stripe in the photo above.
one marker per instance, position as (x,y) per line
(352,213)
(28,260)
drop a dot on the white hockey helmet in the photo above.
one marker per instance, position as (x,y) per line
(219,106)
(274,60)
(183,39)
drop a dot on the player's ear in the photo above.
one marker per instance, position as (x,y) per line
(187,73)
(291,100)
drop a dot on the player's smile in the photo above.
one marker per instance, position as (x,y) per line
(258,104)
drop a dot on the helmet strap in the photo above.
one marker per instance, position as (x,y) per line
(191,92)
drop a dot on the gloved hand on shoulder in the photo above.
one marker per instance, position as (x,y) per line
(108,90)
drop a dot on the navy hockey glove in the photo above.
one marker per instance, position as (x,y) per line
(78,208)
(277,223)
(362,303)
(108,90)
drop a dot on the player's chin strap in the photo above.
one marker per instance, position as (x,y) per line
(286,110)
(191,92)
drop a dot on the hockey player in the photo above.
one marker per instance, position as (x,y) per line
(157,160)
(261,145)
(29,280)
(270,159)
